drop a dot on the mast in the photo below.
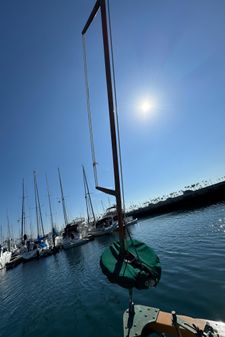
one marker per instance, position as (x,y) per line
(89,205)
(117,191)
(38,206)
(63,200)
(23,213)
(50,210)
(1,235)
(9,234)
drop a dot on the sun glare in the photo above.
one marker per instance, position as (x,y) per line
(146,108)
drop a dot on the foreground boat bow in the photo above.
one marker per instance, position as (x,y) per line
(141,320)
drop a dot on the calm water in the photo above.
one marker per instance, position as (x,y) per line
(67,295)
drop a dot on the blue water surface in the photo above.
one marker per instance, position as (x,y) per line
(67,294)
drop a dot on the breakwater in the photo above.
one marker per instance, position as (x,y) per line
(188,200)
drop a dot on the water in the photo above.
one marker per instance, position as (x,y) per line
(67,295)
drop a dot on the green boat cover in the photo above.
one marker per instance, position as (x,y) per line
(138,267)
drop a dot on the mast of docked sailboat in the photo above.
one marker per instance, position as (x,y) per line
(89,205)
(23,213)
(63,200)
(50,210)
(38,207)
(1,242)
(9,233)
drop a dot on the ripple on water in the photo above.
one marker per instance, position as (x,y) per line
(67,294)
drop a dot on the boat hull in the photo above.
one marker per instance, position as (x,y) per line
(74,243)
(4,258)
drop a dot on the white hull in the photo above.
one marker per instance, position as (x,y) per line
(131,222)
(26,256)
(4,258)
(103,231)
(67,244)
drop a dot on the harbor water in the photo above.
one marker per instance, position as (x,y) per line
(67,294)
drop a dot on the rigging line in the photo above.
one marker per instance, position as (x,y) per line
(94,163)
(116,106)
(117,123)
(128,232)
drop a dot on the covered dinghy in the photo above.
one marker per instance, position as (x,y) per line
(138,266)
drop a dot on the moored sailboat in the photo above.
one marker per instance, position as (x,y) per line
(71,236)
(28,249)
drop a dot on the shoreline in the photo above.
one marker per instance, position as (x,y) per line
(190,199)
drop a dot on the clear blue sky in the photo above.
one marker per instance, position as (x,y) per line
(171,52)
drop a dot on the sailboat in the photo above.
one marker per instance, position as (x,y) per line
(5,257)
(71,237)
(42,242)
(97,227)
(130,263)
(56,239)
(89,224)
(28,250)
(5,254)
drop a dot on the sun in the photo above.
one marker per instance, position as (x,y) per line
(146,107)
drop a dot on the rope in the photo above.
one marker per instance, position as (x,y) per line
(116,106)
(94,163)
(117,120)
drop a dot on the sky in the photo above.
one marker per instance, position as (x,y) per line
(169,59)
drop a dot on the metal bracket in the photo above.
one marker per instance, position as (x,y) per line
(209,331)
(133,323)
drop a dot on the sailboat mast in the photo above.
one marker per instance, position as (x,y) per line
(9,233)
(1,235)
(88,197)
(50,210)
(22,215)
(49,202)
(40,214)
(39,205)
(63,200)
(36,204)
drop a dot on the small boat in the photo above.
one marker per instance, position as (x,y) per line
(29,255)
(15,261)
(5,257)
(74,242)
(72,236)
(104,226)
(130,221)
(107,224)
(55,245)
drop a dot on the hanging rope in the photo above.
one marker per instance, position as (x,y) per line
(117,120)
(116,107)
(89,111)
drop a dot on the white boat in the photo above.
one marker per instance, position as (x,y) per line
(129,220)
(104,226)
(29,255)
(5,257)
(58,241)
(74,242)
